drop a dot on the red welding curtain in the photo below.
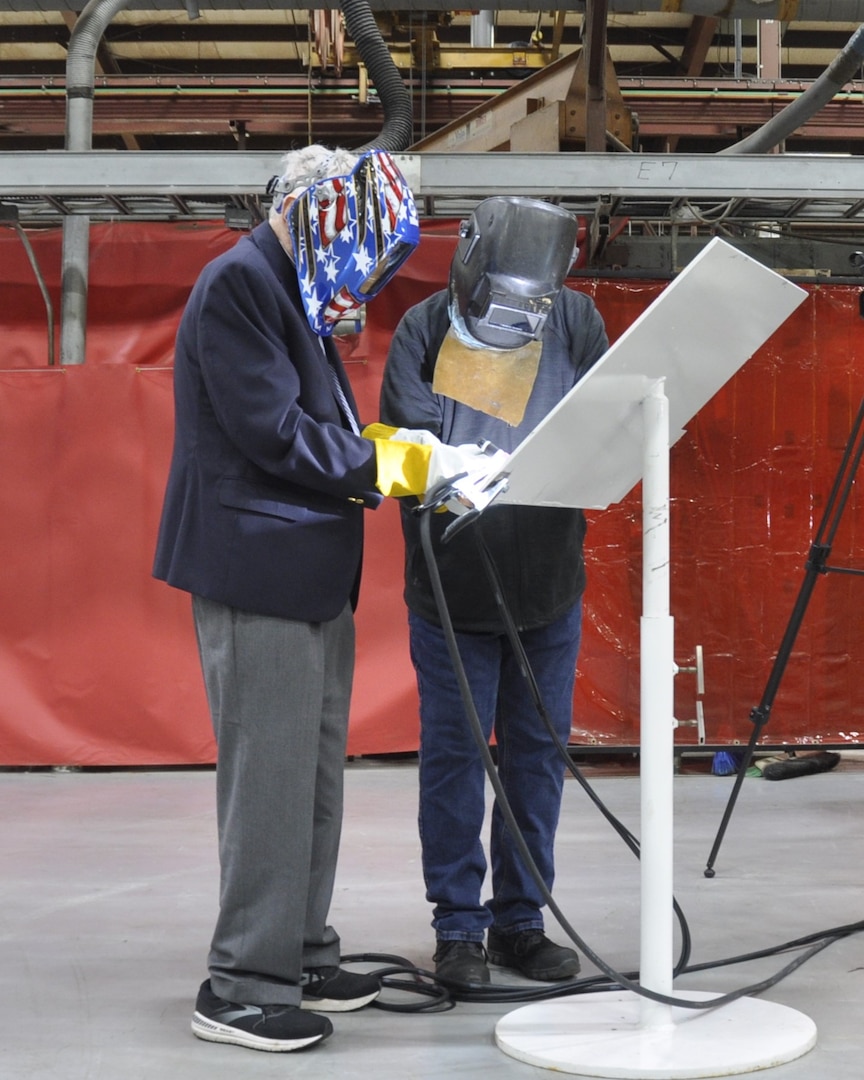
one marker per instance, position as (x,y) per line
(97,660)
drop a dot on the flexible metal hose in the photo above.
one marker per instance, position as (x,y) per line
(841,69)
(398,130)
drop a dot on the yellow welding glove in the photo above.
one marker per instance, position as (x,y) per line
(403,463)
(412,462)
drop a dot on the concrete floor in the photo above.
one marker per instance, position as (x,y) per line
(109,892)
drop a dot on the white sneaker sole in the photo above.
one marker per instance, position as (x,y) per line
(335,1005)
(211,1031)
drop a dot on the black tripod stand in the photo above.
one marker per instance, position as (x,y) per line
(816,564)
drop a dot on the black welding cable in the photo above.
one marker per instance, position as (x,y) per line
(617,978)
(525,668)
(821,938)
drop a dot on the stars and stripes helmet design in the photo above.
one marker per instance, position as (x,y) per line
(350,236)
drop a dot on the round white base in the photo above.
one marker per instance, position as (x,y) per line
(600,1034)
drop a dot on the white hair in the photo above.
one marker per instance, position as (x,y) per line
(301,168)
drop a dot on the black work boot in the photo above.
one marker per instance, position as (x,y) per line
(461,961)
(533,955)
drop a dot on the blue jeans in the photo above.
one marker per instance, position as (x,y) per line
(452,777)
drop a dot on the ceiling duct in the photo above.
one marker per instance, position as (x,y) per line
(398,130)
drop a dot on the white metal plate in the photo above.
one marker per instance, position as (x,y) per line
(695,335)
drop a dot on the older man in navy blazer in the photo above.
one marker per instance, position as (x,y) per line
(263,525)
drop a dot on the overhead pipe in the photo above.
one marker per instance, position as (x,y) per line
(80,82)
(483,30)
(396,134)
(43,288)
(832,80)
(9,216)
(738,33)
(398,130)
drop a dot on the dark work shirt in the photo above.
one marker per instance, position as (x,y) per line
(537,550)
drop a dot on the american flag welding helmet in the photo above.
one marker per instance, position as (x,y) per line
(350,235)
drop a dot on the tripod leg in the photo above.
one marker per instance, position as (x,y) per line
(733,798)
(820,549)
(759,715)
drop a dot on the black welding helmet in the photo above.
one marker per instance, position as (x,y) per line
(509,266)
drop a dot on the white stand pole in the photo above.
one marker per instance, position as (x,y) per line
(656,705)
(622,1034)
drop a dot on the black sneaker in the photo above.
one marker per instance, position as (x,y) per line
(260,1027)
(330,989)
(533,955)
(462,962)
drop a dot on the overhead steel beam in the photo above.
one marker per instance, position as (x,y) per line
(214,174)
(660,176)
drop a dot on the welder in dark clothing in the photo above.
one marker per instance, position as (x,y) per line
(487,359)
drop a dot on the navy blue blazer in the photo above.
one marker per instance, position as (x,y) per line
(264,503)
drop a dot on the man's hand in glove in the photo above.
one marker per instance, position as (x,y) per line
(412,462)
